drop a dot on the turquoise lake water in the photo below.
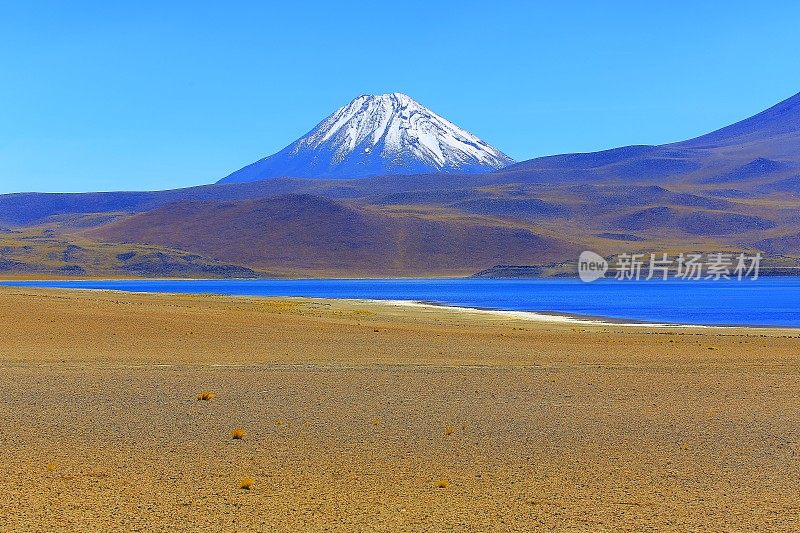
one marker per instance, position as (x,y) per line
(763,302)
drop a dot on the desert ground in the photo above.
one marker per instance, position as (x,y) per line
(363,416)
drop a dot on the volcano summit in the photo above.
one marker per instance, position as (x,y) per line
(378,135)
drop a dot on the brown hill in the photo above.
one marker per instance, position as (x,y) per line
(37,253)
(309,235)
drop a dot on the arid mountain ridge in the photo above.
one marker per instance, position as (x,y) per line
(735,189)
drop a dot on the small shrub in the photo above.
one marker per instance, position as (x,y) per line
(205,396)
(442,484)
(247,483)
(238,434)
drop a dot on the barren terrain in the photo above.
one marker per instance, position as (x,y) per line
(357,412)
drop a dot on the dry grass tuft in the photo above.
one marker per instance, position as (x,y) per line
(376,422)
(450,430)
(442,484)
(206,396)
(238,434)
(52,467)
(247,483)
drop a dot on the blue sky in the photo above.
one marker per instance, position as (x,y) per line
(113,95)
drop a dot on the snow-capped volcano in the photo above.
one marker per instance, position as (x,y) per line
(378,135)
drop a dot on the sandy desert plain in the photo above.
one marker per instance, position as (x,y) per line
(363,416)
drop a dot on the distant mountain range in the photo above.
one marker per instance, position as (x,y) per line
(761,154)
(378,135)
(735,189)
(320,237)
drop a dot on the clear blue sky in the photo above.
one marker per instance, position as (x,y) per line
(108,95)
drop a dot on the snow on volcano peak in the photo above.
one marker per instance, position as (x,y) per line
(379,135)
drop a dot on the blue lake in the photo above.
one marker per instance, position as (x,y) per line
(764,302)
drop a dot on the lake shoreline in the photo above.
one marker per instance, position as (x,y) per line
(601,303)
(545,317)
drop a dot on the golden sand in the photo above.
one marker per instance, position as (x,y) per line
(376,417)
